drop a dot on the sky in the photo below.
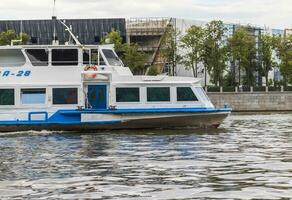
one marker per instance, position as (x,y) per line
(269,13)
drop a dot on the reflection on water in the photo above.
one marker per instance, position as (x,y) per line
(249,157)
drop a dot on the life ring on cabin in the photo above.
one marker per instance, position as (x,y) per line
(91,68)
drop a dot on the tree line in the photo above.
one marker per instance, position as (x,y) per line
(231,60)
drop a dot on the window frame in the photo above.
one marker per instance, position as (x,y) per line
(47,51)
(89,56)
(99,57)
(161,102)
(106,60)
(128,102)
(34,104)
(190,101)
(15,65)
(69,87)
(201,94)
(54,64)
(14,95)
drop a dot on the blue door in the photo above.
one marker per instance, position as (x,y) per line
(97,96)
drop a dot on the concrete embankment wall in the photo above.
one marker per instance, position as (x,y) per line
(245,102)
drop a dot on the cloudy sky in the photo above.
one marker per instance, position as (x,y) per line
(271,13)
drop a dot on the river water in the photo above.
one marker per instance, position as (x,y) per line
(249,157)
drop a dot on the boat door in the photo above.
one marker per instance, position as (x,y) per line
(97,96)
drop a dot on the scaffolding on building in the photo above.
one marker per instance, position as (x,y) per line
(148,34)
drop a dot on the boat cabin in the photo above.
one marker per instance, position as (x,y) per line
(86,77)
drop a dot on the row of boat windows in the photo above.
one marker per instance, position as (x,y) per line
(40,57)
(155,94)
(60,57)
(61,96)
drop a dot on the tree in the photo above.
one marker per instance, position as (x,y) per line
(9,35)
(242,50)
(284,50)
(134,59)
(152,71)
(215,54)
(193,43)
(267,46)
(115,38)
(130,54)
(169,48)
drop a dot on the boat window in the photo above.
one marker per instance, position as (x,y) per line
(158,94)
(202,94)
(33,96)
(65,96)
(38,57)
(86,57)
(127,95)
(11,58)
(111,57)
(185,94)
(94,56)
(7,97)
(65,57)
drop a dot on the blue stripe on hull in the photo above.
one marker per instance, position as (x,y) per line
(68,117)
(58,123)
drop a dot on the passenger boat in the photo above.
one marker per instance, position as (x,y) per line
(78,87)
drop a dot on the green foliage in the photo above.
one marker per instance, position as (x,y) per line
(228,80)
(193,42)
(169,47)
(242,49)
(134,59)
(279,83)
(115,38)
(9,35)
(284,50)
(215,52)
(270,82)
(152,71)
(268,44)
(130,54)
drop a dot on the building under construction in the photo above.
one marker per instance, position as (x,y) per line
(148,34)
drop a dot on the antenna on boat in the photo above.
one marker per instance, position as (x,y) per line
(67,28)
(54,8)
(54,18)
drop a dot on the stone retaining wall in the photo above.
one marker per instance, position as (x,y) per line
(271,101)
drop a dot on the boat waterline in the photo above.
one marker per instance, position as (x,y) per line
(125,119)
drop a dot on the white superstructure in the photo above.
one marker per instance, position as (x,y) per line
(52,87)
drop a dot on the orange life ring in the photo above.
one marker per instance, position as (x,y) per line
(91,68)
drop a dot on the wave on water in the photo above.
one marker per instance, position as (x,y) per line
(29,133)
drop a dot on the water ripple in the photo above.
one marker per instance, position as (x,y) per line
(249,157)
